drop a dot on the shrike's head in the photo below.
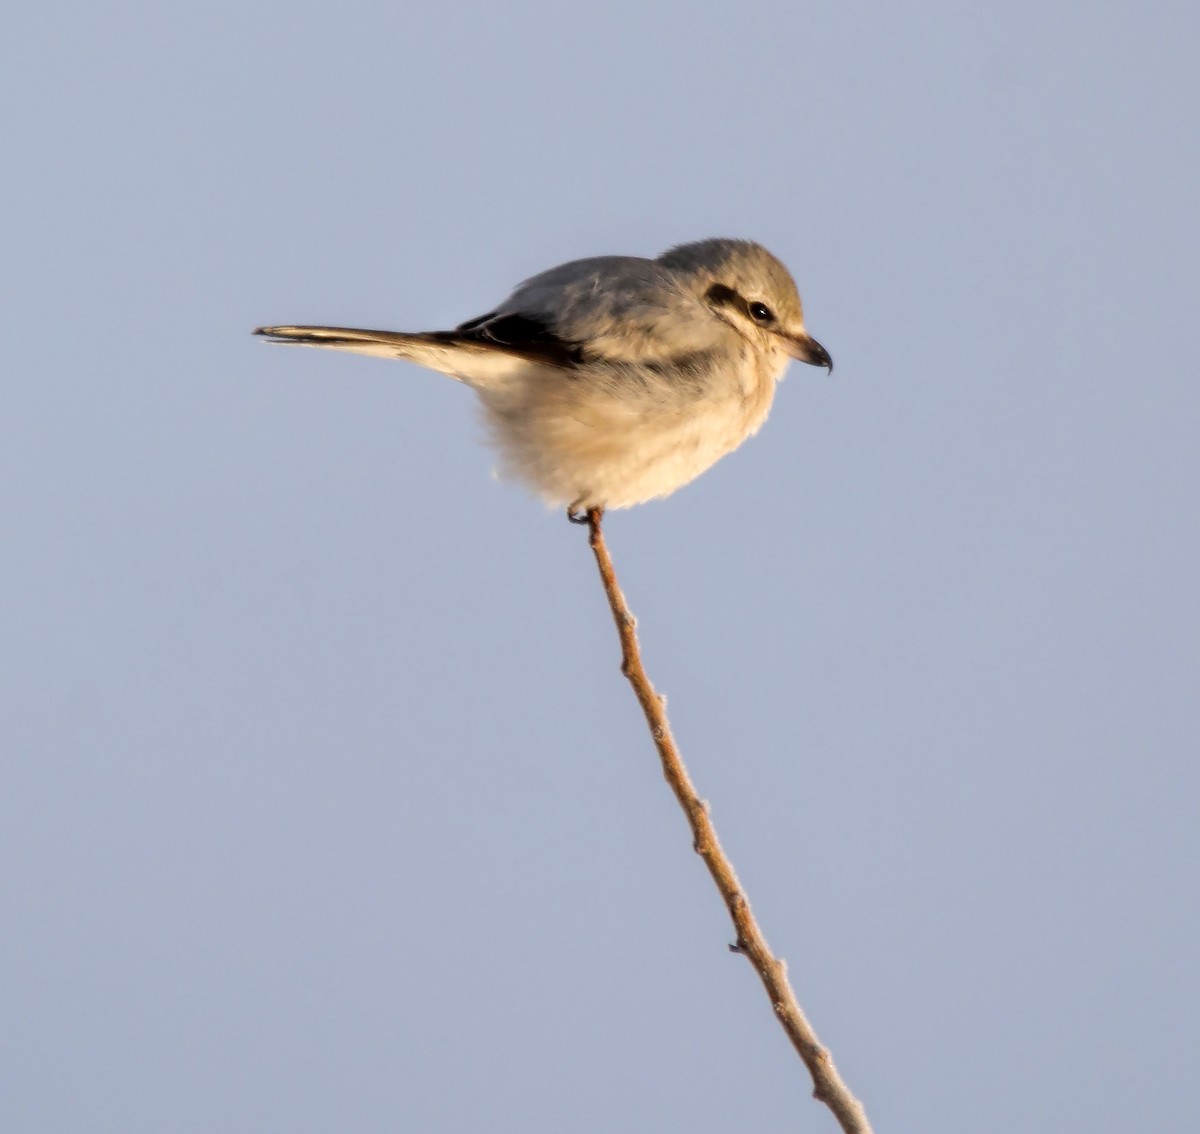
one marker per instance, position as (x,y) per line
(752,291)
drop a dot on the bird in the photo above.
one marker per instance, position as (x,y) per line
(614,380)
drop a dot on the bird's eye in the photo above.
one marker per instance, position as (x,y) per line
(761,313)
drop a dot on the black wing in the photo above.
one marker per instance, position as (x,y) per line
(522,334)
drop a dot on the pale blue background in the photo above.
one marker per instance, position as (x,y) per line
(324,807)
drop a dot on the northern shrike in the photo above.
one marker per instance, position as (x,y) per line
(611,381)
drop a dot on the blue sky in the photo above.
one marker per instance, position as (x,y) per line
(324,804)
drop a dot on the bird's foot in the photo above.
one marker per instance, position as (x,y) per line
(589,517)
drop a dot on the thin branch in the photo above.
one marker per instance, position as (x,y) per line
(827,1084)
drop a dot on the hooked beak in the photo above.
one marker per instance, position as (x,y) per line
(807,349)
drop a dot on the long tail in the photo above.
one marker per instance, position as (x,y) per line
(380,344)
(478,364)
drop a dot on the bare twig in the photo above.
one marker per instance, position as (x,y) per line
(827,1084)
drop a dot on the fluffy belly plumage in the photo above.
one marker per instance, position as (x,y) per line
(596,448)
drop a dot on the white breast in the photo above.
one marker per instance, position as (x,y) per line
(613,438)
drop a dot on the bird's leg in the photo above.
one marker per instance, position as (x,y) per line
(588,517)
(576,512)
